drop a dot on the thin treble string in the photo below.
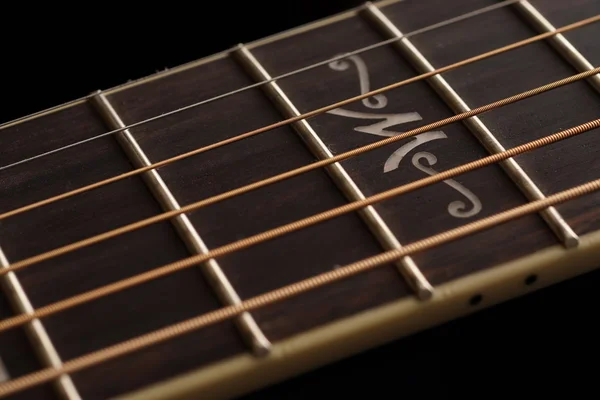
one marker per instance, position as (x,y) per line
(190,325)
(233,247)
(286,175)
(245,88)
(295,119)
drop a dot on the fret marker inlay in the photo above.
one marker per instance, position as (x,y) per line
(421,160)
(338,174)
(249,329)
(405,47)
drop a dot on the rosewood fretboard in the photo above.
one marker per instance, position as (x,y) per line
(404,219)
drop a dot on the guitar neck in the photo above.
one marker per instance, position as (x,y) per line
(72,194)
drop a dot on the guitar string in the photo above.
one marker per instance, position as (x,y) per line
(374,46)
(300,117)
(233,247)
(286,175)
(175,330)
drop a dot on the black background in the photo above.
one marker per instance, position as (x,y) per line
(58,52)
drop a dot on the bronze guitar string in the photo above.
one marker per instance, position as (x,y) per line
(285,292)
(286,175)
(425,29)
(288,121)
(135,280)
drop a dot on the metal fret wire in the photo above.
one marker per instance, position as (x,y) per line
(296,118)
(374,46)
(285,292)
(36,332)
(286,175)
(167,269)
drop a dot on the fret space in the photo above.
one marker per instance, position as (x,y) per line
(423,212)
(118,317)
(556,167)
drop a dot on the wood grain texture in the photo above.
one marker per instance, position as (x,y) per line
(296,256)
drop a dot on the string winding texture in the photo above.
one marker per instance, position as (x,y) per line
(291,120)
(286,175)
(167,269)
(288,291)
(374,46)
